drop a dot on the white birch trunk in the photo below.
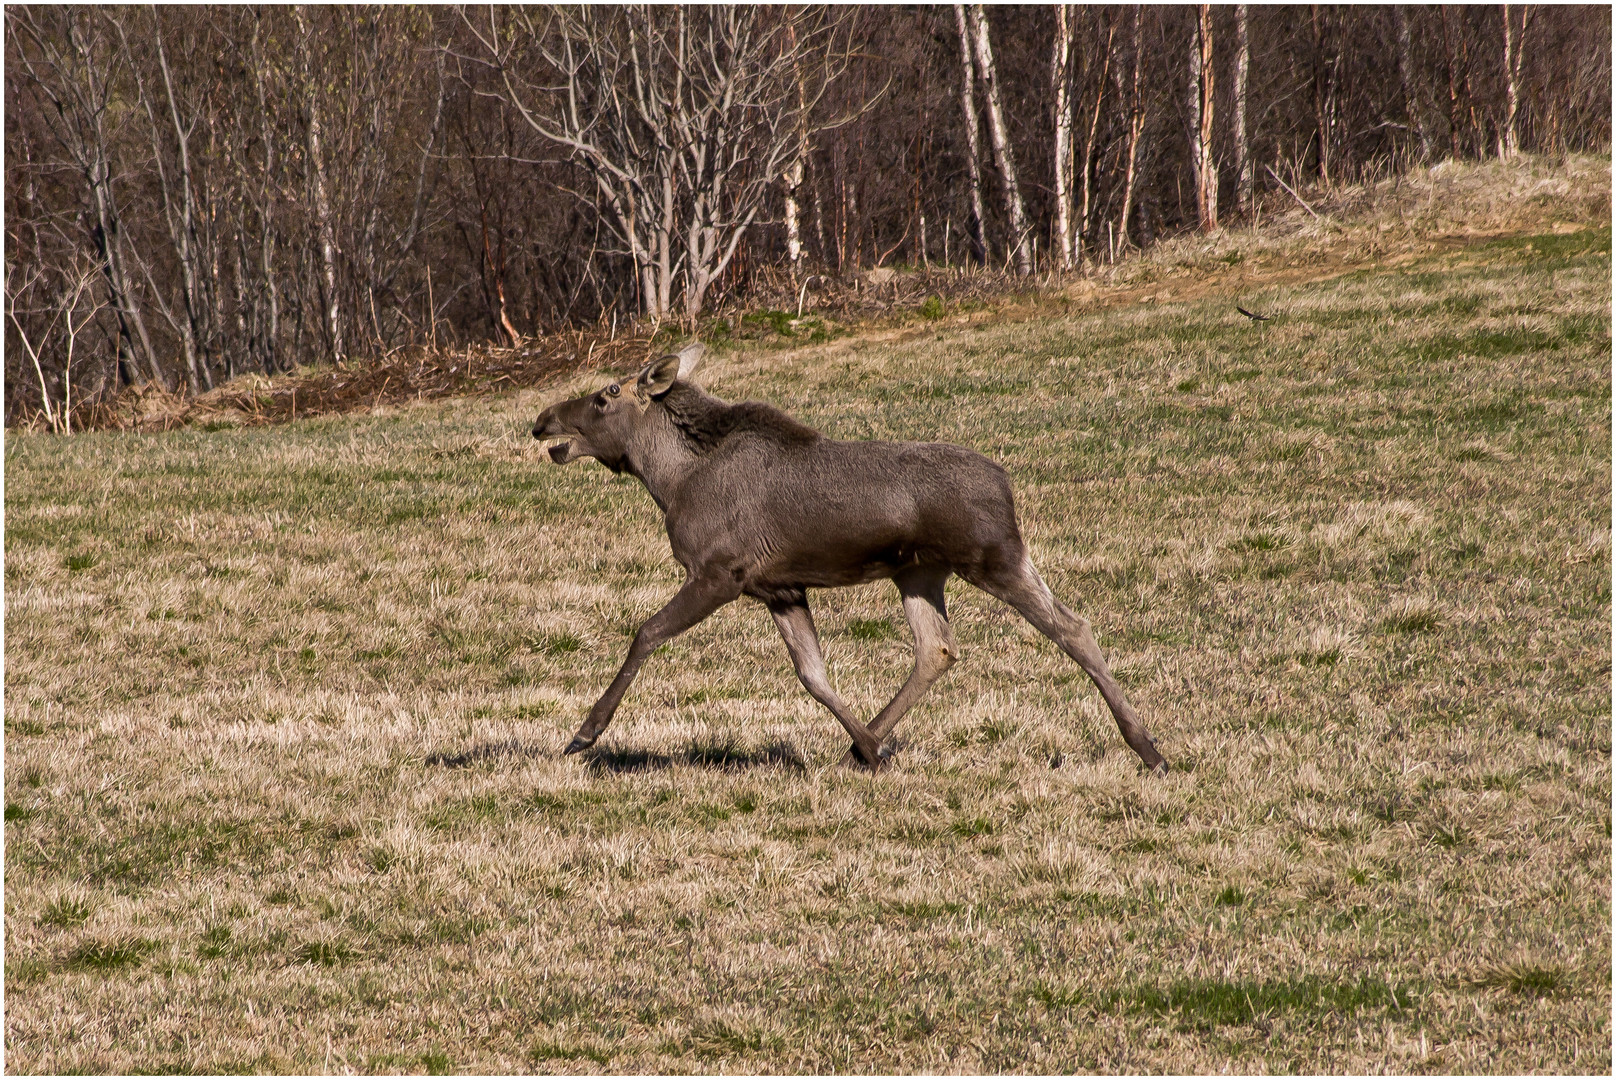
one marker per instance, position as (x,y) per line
(998,131)
(1242,154)
(1200,110)
(1060,94)
(973,155)
(793,174)
(183,233)
(322,205)
(1511,143)
(793,217)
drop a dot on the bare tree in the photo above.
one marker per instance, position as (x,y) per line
(973,127)
(1509,137)
(1061,97)
(70,309)
(1093,127)
(684,117)
(190,318)
(998,131)
(69,61)
(794,174)
(1242,153)
(1136,124)
(16,291)
(1326,61)
(1413,101)
(1202,165)
(317,185)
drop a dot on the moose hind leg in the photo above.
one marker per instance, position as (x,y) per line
(935,651)
(1019,585)
(796,625)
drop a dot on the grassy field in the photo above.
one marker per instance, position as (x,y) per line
(284,709)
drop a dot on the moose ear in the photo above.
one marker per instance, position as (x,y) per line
(690,359)
(657,377)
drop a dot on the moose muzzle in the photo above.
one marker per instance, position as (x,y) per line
(549,426)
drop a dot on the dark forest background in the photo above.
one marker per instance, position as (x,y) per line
(195,193)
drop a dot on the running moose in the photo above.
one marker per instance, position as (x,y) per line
(760,505)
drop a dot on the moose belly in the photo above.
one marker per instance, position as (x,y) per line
(830,553)
(844,567)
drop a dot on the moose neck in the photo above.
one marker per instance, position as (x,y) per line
(660,456)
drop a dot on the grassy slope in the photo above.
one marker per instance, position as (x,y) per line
(1352,564)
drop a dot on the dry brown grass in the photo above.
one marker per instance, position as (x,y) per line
(284,707)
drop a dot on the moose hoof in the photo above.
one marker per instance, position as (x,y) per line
(855,759)
(1160,768)
(578,743)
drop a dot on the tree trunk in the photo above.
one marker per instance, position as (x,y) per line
(1413,106)
(998,130)
(793,175)
(973,127)
(95,158)
(1242,156)
(1513,49)
(1200,109)
(1323,96)
(1136,125)
(1453,86)
(1088,143)
(793,215)
(322,206)
(270,328)
(819,219)
(1060,94)
(193,331)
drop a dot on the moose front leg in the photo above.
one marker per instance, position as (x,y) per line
(698,598)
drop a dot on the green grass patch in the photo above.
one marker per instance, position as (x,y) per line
(109,954)
(1204,1004)
(1527,978)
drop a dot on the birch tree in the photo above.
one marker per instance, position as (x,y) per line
(998,131)
(190,316)
(317,185)
(1413,99)
(973,127)
(1136,123)
(1509,137)
(1242,155)
(685,118)
(1061,100)
(1326,61)
(1202,165)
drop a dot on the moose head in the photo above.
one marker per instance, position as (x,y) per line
(605,425)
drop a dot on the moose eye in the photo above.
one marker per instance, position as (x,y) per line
(614,390)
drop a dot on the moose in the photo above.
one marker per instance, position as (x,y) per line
(758,504)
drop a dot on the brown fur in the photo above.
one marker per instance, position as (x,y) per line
(706,421)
